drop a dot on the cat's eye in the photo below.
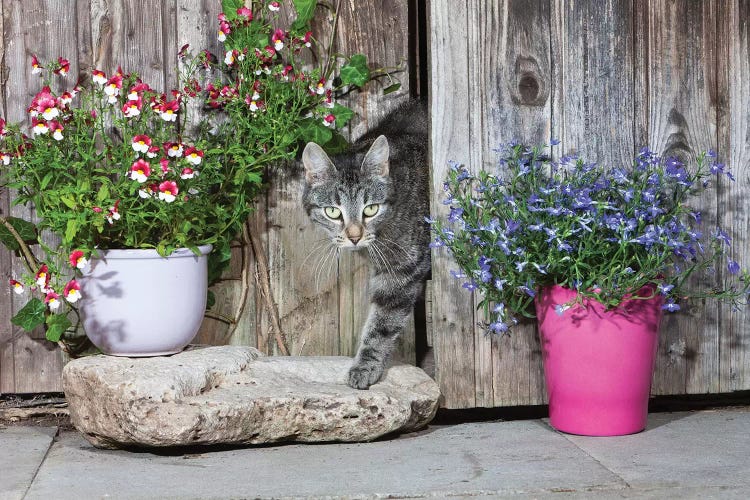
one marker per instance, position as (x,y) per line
(371,210)
(332,212)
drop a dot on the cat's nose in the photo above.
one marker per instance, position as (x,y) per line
(354,232)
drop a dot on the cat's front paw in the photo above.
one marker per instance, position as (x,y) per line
(362,376)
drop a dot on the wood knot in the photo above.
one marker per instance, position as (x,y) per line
(528,86)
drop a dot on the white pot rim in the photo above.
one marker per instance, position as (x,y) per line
(150,253)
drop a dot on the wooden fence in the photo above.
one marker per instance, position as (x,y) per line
(605,77)
(320,312)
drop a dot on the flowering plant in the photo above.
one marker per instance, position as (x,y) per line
(604,233)
(106,165)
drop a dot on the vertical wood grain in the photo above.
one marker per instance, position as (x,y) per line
(26,30)
(367,27)
(733,56)
(518,90)
(682,122)
(451,105)
(7,370)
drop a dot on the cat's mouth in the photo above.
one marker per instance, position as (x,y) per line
(353,244)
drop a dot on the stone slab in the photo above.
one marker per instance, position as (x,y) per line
(22,450)
(234,395)
(703,449)
(489,459)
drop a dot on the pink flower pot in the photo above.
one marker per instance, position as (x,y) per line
(137,303)
(598,364)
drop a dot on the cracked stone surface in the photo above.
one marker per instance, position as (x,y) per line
(235,395)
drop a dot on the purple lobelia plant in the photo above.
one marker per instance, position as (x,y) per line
(605,233)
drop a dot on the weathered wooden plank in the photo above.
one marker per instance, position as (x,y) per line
(682,122)
(515,86)
(593,50)
(733,101)
(361,28)
(46,28)
(450,110)
(130,34)
(7,371)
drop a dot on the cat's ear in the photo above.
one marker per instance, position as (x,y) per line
(376,159)
(318,167)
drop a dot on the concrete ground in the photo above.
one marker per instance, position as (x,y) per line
(696,454)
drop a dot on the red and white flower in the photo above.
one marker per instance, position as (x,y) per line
(99,77)
(274,6)
(39,127)
(36,68)
(17,287)
(320,88)
(4,158)
(194,156)
(224,30)
(140,170)
(66,98)
(56,128)
(113,214)
(141,143)
(52,299)
(112,88)
(173,149)
(132,108)
(78,259)
(72,291)
(46,105)
(246,13)
(329,120)
(136,91)
(168,110)
(63,66)
(42,277)
(168,191)
(164,164)
(188,173)
(3,130)
(278,39)
(148,191)
(153,152)
(230,56)
(307,39)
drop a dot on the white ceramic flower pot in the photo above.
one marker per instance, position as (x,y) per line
(137,303)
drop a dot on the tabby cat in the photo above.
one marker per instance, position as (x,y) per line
(374,198)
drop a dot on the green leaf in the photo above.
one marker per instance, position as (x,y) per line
(103,193)
(45,182)
(391,88)
(210,299)
(68,200)
(57,324)
(305,12)
(342,114)
(71,229)
(30,316)
(312,130)
(355,72)
(229,8)
(25,229)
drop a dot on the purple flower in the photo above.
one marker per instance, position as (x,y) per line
(664,289)
(470,285)
(499,284)
(671,306)
(457,274)
(498,327)
(722,236)
(456,213)
(554,141)
(733,267)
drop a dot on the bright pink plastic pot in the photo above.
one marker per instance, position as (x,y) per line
(598,364)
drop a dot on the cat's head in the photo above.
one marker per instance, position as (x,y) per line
(348,200)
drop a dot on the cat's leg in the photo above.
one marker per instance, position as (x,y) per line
(389,311)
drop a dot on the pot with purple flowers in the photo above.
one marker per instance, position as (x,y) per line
(596,256)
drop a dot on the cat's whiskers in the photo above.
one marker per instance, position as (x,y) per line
(327,262)
(318,245)
(383,260)
(393,245)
